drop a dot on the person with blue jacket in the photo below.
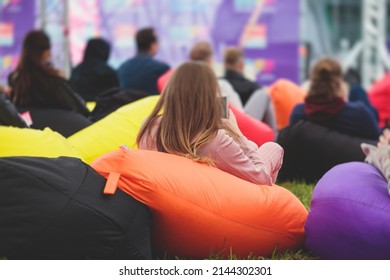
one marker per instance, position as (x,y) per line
(327,104)
(142,71)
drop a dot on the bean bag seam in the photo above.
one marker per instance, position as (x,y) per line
(330,198)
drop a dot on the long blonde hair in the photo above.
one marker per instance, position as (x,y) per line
(191,115)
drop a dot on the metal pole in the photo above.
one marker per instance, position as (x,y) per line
(65,20)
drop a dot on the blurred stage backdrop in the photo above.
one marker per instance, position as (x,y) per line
(268,30)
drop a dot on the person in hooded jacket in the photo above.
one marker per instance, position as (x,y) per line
(93,75)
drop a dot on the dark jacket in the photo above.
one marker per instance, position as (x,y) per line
(241,85)
(8,114)
(55,209)
(354,119)
(357,93)
(65,122)
(93,75)
(110,100)
(65,97)
(310,150)
(141,73)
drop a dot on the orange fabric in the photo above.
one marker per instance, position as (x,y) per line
(112,183)
(253,129)
(284,96)
(379,96)
(199,210)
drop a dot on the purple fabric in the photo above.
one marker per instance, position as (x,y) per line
(349,215)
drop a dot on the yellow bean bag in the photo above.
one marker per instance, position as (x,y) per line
(33,142)
(118,128)
(199,210)
(284,96)
(91,105)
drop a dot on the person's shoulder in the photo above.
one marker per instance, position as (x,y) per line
(299,107)
(161,64)
(224,84)
(127,62)
(356,106)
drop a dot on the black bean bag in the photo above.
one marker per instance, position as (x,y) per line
(310,150)
(8,114)
(65,122)
(113,98)
(55,209)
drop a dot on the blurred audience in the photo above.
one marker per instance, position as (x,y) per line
(36,83)
(234,73)
(93,75)
(327,104)
(142,71)
(203,52)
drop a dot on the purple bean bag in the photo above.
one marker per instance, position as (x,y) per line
(349,216)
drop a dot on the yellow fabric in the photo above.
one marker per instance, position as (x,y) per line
(118,128)
(33,142)
(91,105)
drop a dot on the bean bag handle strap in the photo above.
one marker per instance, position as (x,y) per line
(112,183)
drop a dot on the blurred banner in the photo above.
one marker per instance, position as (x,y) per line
(16,18)
(267,30)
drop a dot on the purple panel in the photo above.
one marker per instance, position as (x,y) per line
(16,19)
(349,216)
(273,47)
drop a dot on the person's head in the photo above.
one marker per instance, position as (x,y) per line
(146,40)
(326,80)
(234,59)
(97,48)
(34,67)
(202,51)
(191,106)
(36,48)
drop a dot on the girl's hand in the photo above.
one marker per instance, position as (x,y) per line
(231,122)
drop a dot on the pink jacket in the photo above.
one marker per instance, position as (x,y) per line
(259,165)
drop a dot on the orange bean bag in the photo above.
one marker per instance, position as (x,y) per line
(284,96)
(379,96)
(199,210)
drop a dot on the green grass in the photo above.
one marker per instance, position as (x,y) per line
(301,190)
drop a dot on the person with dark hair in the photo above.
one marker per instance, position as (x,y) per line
(327,104)
(93,75)
(357,93)
(35,83)
(142,71)
(234,68)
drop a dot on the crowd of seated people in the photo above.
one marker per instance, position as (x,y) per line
(188,119)
(334,99)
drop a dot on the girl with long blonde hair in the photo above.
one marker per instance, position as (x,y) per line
(187,122)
